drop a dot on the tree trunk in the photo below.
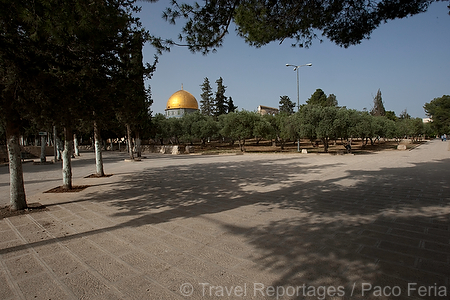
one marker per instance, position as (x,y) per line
(17,198)
(55,144)
(59,147)
(98,151)
(43,144)
(75,145)
(242,145)
(67,159)
(130,148)
(138,145)
(325,142)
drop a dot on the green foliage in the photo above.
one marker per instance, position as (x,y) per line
(207,101)
(230,105)
(438,110)
(318,98)
(378,106)
(132,100)
(364,127)
(260,22)
(312,121)
(321,122)
(158,127)
(238,126)
(404,115)
(220,102)
(66,57)
(331,100)
(263,127)
(286,105)
(198,126)
(391,115)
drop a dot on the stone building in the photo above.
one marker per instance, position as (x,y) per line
(266,110)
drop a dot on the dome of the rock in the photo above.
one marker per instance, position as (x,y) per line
(182,99)
(180,103)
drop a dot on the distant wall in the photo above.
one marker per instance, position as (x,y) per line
(30,152)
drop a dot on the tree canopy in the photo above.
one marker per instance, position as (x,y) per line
(318,98)
(438,110)
(378,106)
(286,105)
(220,102)
(60,61)
(259,22)
(207,100)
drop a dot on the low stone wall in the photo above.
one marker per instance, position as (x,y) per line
(35,151)
(165,149)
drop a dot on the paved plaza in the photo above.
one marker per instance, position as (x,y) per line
(252,226)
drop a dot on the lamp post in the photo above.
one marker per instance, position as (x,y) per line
(298,93)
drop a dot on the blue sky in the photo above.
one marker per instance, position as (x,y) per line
(407,59)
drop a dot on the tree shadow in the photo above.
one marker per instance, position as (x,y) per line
(386,227)
(308,223)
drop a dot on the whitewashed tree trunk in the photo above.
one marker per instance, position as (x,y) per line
(67,159)
(138,145)
(59,148)
(55,144)
(75,145)
(98,151)
(130,147)
(17,198)
(43,144)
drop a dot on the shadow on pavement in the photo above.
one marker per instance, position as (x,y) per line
(384,227)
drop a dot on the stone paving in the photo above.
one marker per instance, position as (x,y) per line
(253,226)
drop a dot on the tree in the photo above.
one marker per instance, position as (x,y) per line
(238,126)
(391,115)
(284,127)
(133,100)
(230,105)
(404,115)
(319,122)
(378,106)
(331,100)
(318,98)
(188,123)
(260,22)
(157,127)
(52,57)
(220,101)
(404,128)
(206,128)
(365,127)
(263,128)
(207,101)
(286,105)
(438,110)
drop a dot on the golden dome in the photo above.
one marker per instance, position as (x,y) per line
(182,99)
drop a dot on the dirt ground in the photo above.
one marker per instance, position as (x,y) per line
(5,212)
(335,147)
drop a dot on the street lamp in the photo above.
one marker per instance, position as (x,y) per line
(298,86)
(298,93)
